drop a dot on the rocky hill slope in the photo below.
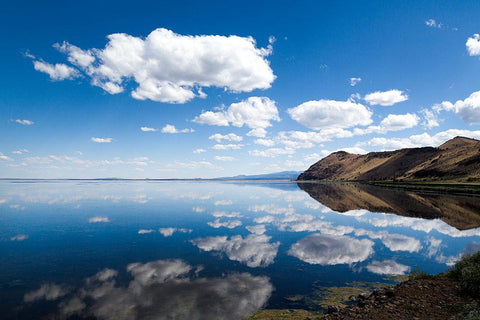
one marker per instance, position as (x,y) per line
(456,160)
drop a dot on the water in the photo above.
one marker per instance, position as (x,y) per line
(212,250)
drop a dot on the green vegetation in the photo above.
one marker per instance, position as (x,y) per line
(469,312)
(467,272)
(284,314)
(417,274)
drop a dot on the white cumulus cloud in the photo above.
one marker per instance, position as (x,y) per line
(172,129)
(172,68)
(227,137)
(253,250)
(473,45)
(326,114)
(388,267)
(325,249)
(386,98)
(255,112)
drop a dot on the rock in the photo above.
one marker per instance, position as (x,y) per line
(333,309)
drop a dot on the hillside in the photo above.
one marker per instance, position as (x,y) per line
(456,160)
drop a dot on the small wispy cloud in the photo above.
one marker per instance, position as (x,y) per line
(224,158)
(102,140)
(145,231)
(355,81)
(20,151)
(199,151)
(172,129)
(19,237)
(432,23)
(57,72)
(98,219)
(24,122)
(148,129)
(5,158)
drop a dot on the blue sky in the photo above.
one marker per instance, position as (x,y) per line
(231,87)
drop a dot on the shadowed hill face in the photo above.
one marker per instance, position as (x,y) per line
(461,212)
(456,160)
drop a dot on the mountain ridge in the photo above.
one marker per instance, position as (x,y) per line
(457,159)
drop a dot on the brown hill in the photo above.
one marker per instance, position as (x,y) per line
(456,160)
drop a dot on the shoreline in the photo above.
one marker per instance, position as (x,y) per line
(441,187)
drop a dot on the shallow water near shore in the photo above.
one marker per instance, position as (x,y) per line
(220,250)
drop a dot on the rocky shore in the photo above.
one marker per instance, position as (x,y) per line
(433,297)
(436,298)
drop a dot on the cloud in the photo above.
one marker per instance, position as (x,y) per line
(419,140)
(198,209)
(166,289)
(271,208)
(20,151)
(396,122)
(430,119)
(468,110)
(220,214)
(355,81)
(171,129)
(388,267)
(386,98)
(271,152)
(24,122)
(253,250)
(264,219)
(167,232)
(191,164)
(433,24)
(325,114)
(265,142)
(48,292)
(230,224)
(418,224)
(473,45)
(394,242)
(19,237)
(255,112)
(199,151)
(145,231)
(227,137)
(224,158)
(257,132)
(223,202)
(172,68)
(227,146)
(5,158)
(257,229)
(326,249)
(102,140)
(392,122)
(57,72)
(98,219)
(148,129)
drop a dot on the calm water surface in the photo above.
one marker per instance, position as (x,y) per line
(212,250)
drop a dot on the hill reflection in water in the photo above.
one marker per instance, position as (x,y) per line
(461,212)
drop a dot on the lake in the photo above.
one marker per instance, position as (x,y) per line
(214,250)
